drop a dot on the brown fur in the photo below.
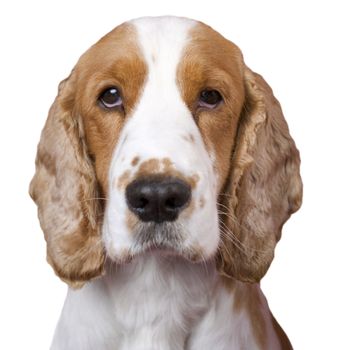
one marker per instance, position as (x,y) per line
(256,158)
(204,66)
(63,186)
(112,66)
(123,180)
(282,336)
(74,154)
(248,299)
(156,167)
(135,161)
(264,187)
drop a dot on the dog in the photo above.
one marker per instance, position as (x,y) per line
(164,174)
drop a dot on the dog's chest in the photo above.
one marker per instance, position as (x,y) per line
(157,301)
(154,303)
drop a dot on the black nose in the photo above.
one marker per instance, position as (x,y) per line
(158,199)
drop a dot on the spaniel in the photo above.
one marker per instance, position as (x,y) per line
(164,175)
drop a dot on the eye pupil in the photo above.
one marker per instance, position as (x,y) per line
(111,98)
(209,98)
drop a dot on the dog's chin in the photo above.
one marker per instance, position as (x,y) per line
(160,240)
(164,240)
(147,249)
(161,251)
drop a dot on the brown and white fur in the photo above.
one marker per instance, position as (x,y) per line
(192,283)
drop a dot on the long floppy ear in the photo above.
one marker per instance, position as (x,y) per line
(64,188)
(264,187)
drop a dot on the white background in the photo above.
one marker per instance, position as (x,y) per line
(302,50)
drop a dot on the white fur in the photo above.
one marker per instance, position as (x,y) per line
(154,303)
(158,301)
(156,130)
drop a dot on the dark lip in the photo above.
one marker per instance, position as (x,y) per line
(166,239)
(168,250)
(164,236)
(163,249)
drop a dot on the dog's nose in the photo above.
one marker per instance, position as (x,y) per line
(158,199)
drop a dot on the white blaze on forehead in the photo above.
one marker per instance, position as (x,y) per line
(161,119)
(161,124)
(162,40)
(162,113)
(162,127)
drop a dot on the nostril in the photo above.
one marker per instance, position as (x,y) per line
(138,196)
(178,196)
(171,203)
(142,202)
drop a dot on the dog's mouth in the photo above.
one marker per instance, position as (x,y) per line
(163,239)
(166,235)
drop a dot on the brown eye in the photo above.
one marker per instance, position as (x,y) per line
(209,98)
(111,98)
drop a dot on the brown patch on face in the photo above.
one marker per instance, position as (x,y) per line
(193,180)
(201,202)
(212,62)
(114,61)
(163,167)
(148,167)
(135,161)
(167,164)
(189,209)
(123,180)
(168,169)
(131,221)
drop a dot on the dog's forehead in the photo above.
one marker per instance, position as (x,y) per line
(157,38)
(171,41)
(163,39)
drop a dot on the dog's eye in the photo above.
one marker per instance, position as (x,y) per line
(111,98)
(209,98)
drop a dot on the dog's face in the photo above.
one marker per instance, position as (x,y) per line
(165,141)
(166,116)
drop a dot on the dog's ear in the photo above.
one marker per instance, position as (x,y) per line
(64,188)
(264,187)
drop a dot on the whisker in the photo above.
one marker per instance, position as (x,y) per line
(228,234)
(234,239)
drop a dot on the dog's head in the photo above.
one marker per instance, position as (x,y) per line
(162,139)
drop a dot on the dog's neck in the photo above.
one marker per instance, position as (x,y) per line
(158,299)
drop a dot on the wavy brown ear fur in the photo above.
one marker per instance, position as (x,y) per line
(264,187)
(64,188)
